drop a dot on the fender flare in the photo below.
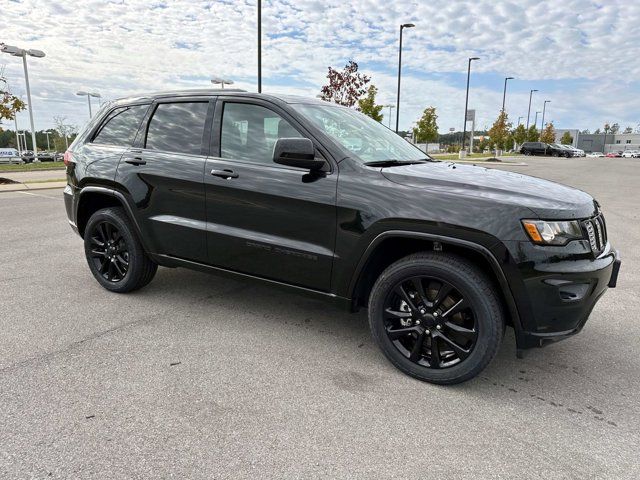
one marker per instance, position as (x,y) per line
(484,251)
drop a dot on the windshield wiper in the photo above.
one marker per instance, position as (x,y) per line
(394,162)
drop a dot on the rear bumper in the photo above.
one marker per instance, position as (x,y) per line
(559,296)
(70,206)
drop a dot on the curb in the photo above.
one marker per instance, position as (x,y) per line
(18,187)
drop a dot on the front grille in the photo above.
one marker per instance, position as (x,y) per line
(596,230)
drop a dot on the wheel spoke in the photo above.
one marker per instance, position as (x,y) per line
(109,274)
(458,307)
(122,260)
(400,290)
(416,351)
(98,253)
(416,283)
(396,314)
(443,292)
(103,263)
(96,241)
(471,332)
(118,269)
(435,353)
(461,352)
(397,333)
(103,233)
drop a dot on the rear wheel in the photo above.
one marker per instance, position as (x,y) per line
(114,253)
(436,317)
(527,153)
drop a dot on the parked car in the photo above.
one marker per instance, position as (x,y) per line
(271,188)
(614,154)
(577,152)
(559,150)
(631,154)
(595,154)
(9,155)
(541,148)
(28,156)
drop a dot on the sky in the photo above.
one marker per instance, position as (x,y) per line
(583,56)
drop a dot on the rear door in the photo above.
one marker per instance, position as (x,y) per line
(266,219)
(163,176)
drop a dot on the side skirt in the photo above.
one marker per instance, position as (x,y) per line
(174,262)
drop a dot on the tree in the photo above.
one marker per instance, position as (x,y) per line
(548,135)
(615,128)
(532,134)
(629,129)
(586,131)
(345,87)
(566,139)
(499,131)
(367,105)
(427,128)
(65,133)
(9,104)
(520,134)
(597,131)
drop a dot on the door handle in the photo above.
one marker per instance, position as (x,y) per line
(224,174)
(135,161)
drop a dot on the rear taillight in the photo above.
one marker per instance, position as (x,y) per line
(68,158)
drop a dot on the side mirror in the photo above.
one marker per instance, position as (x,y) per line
(297,152)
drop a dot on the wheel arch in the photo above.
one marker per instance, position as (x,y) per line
(94,198)
(391,246)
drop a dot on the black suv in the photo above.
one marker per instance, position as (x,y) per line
(323,200)
(541,148)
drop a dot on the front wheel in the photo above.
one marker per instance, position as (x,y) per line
(114,253)
(436,317)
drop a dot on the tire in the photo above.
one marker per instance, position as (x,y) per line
(114,253)
(476,328)
(555,154)
(527,153)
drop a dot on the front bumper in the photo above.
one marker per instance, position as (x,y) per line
(560,292)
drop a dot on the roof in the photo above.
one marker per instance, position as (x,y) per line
(219,91)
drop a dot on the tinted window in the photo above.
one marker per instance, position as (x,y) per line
(249,132)
(121,126)
(177,127)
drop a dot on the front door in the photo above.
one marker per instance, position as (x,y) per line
(266,219)
(163,176)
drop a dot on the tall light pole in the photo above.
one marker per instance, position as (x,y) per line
(529,110)
(544,108)
(390,107)
(88,95)
(519,118)
(221,81)
(466,101)
(535,124)
(21,52)
(47,133)
(402,27)
(259,46)
(504,92)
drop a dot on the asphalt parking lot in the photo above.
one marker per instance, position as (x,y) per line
(202,377)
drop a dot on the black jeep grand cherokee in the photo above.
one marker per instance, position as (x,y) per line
(323,200)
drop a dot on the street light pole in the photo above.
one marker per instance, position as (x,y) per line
(390,107)
(259,46)
(466,101)
(504,92)
(544,109)
(519,118)
(535,124)
(402,27)
(48,144)
(221,81)
(529,110)
(89,95)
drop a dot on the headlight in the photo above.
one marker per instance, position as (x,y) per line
(552,233)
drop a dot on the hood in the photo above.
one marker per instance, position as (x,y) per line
(546,199)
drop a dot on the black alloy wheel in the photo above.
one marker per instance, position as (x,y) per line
(109,251)
(436,317)
(430,322)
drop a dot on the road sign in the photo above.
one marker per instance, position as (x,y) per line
(471,115)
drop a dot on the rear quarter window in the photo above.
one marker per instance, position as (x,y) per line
(120,126)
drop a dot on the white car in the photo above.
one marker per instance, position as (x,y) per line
(577,152)
(595,154)
(9,155)
(631,154)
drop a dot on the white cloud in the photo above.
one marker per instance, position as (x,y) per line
(582,55)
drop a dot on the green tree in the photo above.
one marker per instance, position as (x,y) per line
(9,104)
(367,105)
(566,139)
(532,134)
(427,128)
(520,134)
(499,131)
(345,87)
(548,135)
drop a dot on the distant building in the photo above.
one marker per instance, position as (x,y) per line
(595,142)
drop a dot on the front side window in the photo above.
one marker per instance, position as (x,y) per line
(177,127)
(366,139)
(121,126)
(249,132)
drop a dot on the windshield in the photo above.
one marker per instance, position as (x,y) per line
(368,140)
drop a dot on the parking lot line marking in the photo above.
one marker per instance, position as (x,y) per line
(34,194)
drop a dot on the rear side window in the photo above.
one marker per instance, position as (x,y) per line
(177,127)
(121,126)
